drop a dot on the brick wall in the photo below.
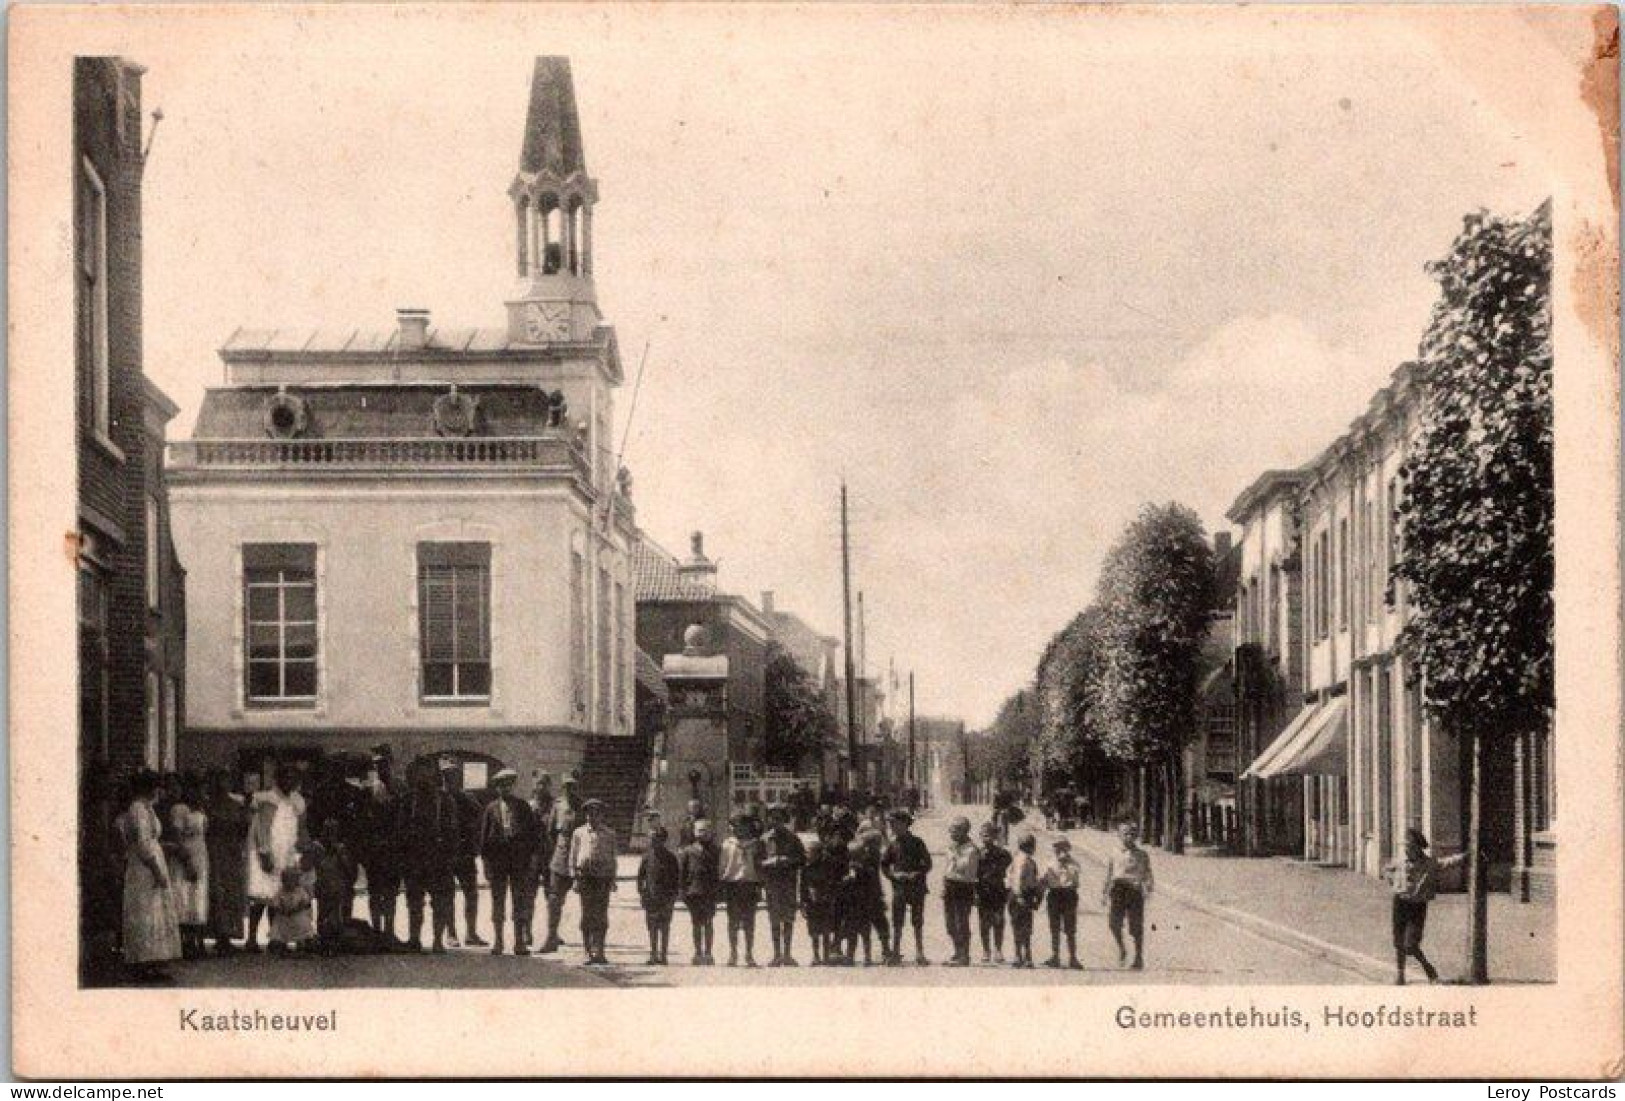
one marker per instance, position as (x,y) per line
(107,133)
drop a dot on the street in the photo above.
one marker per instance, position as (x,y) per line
(1184,946)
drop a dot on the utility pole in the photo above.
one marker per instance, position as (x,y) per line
(851,686)
(912,779)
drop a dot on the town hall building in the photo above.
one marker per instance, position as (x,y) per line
(420,535)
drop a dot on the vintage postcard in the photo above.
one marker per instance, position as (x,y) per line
(970,540)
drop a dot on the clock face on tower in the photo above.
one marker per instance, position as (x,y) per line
(547,321)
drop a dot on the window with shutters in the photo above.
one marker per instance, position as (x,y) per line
(454,621)
(279,610)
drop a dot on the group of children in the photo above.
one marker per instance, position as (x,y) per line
(837,883)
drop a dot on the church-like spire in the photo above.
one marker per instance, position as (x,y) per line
(552,131)
(552,193)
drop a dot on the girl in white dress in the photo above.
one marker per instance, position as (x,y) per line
(151,933)
(189,866)
(273,844)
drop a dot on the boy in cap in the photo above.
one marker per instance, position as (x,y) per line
(959,888)
(992,895)
(1128,884)
(560,826)
(658,886)
(1026,893)
(783,857)
(506,843)
(907,863)
(697,867)
(592,867)
(741,877)
(1061,900)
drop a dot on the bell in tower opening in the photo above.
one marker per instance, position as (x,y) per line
(553,200)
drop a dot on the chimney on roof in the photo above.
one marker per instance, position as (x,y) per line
(413,328)
(767,601)
(1221,544)
(699,569)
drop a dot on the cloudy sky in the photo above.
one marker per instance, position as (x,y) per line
(1011,274)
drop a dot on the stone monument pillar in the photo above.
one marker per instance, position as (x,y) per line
(695,764)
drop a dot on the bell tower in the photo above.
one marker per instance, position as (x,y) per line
(553,197)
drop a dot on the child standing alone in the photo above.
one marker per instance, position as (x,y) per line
(1128,884)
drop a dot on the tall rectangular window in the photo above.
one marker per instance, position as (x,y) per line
(279,608)
(454,620)
(621,662)
(603,649)
(1393,538)
(91,279)
(154,541)
(1343,572)
(578,631)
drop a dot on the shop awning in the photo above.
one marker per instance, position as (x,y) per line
(1259,769)
(1319,748)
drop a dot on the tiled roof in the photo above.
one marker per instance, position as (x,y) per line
(656,576)
(372,412)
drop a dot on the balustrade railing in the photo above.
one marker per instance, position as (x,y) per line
(357,454)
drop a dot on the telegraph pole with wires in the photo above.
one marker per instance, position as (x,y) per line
(851,686)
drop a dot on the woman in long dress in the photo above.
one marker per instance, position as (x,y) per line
(151,932)
(273,844)
(227,842)
(189,865)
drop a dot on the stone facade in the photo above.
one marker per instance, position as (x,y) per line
(1319,545)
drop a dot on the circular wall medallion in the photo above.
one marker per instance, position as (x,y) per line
(455,414)
(286,415)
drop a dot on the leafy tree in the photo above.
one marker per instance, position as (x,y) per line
(799,721)
(1477,505)
(1068,749)
(1156,593)
(1007,745)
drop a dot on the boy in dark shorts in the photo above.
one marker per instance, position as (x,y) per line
(783,857)
(818,887)
(1128,884)
(1026,894)
(863,902)
(907,863)
(992,896)
(658,886)
(697,867)
(1061,899)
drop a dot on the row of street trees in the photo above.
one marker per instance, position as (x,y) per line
(1114,701)
(1114,698)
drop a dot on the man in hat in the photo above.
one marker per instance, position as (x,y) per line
(906,862)
(507,845)
(592,867)
(783,856)
(379,848)
(560,826)
(464,869)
